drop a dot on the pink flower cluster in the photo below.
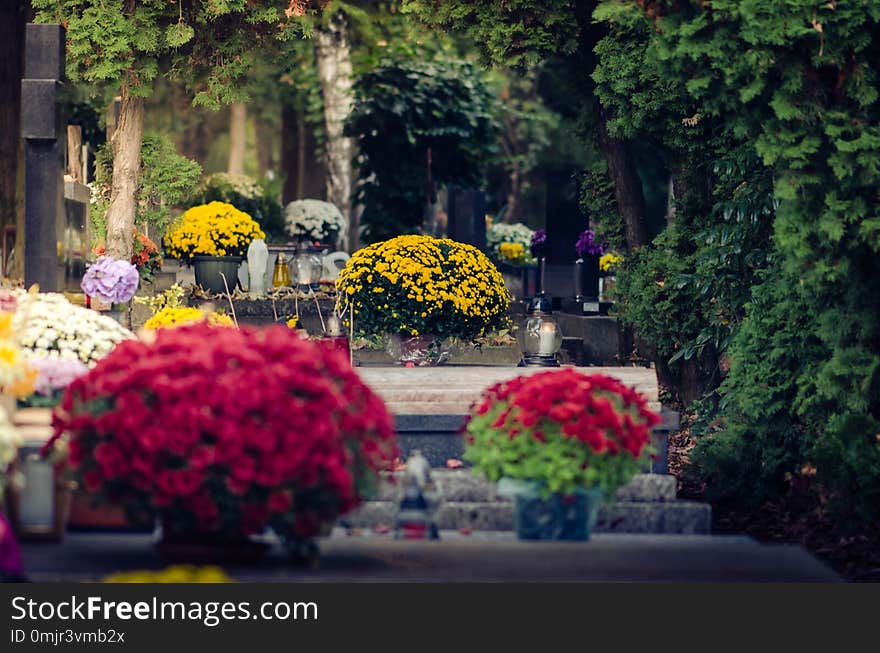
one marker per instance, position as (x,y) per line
(54,374)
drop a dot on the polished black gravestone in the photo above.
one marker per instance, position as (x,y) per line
(41,130)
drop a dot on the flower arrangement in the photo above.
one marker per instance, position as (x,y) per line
(110,280)
(145,257)
(175,316)
(609,261)
(538,245)
(54,375)
(223,432)
(214,229)
(510,243)
(412,285)
(17,375)
(314,220)
(49,326)
(586,245)
(562,429)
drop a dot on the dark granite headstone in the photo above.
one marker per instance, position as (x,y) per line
(565,220)
(466,210)
(76,238)
(41,122)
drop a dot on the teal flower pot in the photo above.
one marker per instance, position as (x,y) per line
(569,517)
(208,271)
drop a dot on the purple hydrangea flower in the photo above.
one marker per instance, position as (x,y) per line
(539,242)
(54,374)
(110,280)
(586,245)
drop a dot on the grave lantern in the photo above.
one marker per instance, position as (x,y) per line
(309,267)
(539,336)
(39,502)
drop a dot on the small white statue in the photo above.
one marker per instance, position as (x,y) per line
(257,259)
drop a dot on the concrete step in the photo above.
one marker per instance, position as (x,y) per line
(465,485)
(672,517)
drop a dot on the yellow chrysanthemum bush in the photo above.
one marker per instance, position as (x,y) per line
(413,285)
(172,316)
(214,229)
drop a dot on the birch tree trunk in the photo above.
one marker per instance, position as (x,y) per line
(333,59)
(237,138)
(126,144)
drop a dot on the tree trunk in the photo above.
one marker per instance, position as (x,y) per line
(265,158)
(289,144)
(333,60)
(691,189)
(627,186)
(12,26)
(74,153)
(126,144)
(237,137)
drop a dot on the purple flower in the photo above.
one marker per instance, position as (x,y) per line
(539,242)
(55,374)
(586,245)
(112,281)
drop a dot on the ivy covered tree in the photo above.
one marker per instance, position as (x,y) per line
(209,45)
(417,125)
(798,81)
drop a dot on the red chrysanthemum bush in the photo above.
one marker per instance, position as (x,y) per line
(226,431)
(562,429)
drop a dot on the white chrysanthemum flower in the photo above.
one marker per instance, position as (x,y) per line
(508,233)
(314,219)
(45,321)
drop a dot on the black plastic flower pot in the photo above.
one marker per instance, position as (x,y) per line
(210,271)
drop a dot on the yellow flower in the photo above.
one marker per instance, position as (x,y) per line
(175,316)
(513,252)
(173,574)
(446,287)
(609,261)
(215,229)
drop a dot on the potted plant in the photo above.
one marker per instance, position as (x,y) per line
(559,442)
(510,246)
(221,433)
(109,281)
(214,238)
(145,256)
(608,265)
(420,290)
(586,267)
(314,221)
(47,325)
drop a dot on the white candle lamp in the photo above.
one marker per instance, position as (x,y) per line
(38,503)
(539,336)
